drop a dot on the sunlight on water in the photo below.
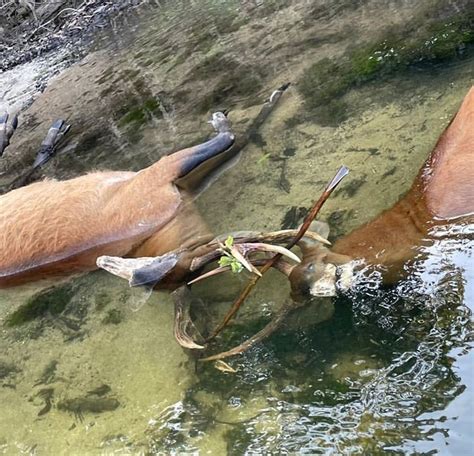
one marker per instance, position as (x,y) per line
(91,367)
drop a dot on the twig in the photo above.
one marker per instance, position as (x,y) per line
(341,173)
(262,334)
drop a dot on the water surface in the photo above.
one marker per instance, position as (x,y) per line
(381,371)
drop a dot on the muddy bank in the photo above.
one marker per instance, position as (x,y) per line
(29,29)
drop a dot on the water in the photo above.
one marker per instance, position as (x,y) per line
(381,371)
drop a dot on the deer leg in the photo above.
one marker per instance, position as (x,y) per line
(46,151)
(6,130)
(139,271)
(50,143)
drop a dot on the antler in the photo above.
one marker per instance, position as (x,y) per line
(182,319)
(270,328)
(341,173)
(153,271)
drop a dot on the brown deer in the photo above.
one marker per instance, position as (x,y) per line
(56,228)
(443,192)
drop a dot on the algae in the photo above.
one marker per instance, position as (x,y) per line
(102,300)
(398,50)
(352,186)
(113,317)
(140,357)
(48,374)
(138,112)
(50,301)
(244,83)
(7,369)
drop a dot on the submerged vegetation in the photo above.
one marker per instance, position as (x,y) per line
(50,301)
(240,81)
(324,82)
(376,377)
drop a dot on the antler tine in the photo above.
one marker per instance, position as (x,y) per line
(183,322)
(252,241)
(211,273)
(277,237)
(248,247)
(239,251)
(284,236)
(281,265)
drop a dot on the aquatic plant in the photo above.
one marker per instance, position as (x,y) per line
(113,317)
(52,300)
(244,82)
(139,113)
(330,78)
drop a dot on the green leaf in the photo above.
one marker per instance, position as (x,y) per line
(236,267)
(232,262)
(225,261)
(229,242)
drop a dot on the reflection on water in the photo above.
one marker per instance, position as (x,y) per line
(88,366)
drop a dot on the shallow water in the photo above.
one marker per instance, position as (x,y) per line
(380,371)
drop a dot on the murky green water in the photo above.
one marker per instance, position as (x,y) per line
(381,371)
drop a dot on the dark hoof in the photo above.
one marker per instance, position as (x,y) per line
(6,130)
(50,143)
(139,271)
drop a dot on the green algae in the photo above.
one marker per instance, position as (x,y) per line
(7,369)
(102,300)
(50,301)
(222,19)
(242,84)
(139,113)
(242,80)
(130,357)
(136,112)
(352,186)
(330,78)
(113,317)
(48,374)
(212,65)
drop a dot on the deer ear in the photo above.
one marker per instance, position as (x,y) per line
(139,271)
(319,227)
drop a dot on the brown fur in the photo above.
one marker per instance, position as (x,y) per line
(443,190)
(59,227)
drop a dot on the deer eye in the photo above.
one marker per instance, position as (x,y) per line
(311,267)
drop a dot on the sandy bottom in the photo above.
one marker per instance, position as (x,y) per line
(106,376)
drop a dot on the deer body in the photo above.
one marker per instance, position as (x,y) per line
(442,192)
(55,227)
